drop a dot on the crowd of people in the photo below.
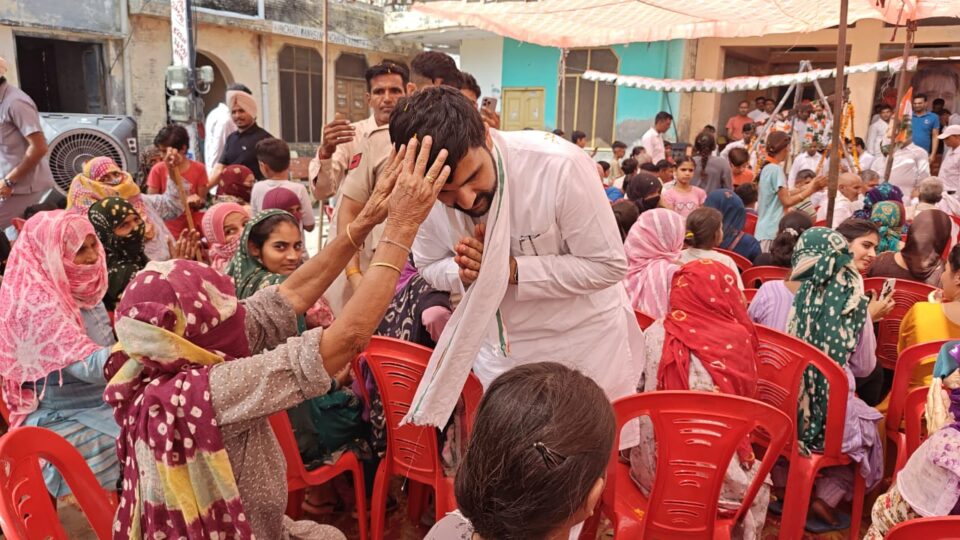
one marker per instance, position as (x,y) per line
(157,320)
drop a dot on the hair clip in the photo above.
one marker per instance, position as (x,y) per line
(551,459)
(689,235)
(791,231)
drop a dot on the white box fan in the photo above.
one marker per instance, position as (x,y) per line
(74,139)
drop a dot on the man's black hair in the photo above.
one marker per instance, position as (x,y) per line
(435,65)
(629,166)
(238,86)
(468,82)
(618,144)
(663,165)
(173,136)
(441,112)
(577,135)
(387,67)
(558,132)
(663,115)
(920,96)
(649,167)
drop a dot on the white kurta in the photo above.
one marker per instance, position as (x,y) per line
(801,162)
(875,134)
(217,127)
(906,171)
(652,142)
(570,305)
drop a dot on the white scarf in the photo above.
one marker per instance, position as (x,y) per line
(457,348)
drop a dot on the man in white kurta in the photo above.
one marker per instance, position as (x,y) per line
(569,305)
(549,286)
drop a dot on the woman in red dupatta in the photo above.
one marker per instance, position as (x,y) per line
(705,343)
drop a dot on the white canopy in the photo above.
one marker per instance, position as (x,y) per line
(594,23)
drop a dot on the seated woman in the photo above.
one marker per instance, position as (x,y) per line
(55,338)
(645,190)
(734,219)
(935,321)
(706,343)
(236,185)
(929,484)
(704,232)
(920,258)
(196,374)
(102,178)
(792,225)
(653,250)
(889,217)
(222,226)
(537,459)
(883,192)
(281,198)
(121,232)
(824,305)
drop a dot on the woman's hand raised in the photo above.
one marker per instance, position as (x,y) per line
(417,187)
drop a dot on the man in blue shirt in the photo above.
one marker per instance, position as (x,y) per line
(926,126)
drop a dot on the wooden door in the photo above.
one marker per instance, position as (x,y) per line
(351,99)
(522,108)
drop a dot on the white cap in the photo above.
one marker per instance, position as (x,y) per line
(950,130)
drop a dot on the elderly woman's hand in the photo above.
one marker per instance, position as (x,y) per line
(375,211)
(416,187)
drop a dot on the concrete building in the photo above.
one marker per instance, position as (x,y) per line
(533,92)
(110,56)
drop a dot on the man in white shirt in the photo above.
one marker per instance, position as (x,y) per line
(217,127)
(808,159)
(528,207)
(652,140)
(906,171)
(878,130)
(759,114)
(742,142)
(849,187)
(950,166)
(863,155)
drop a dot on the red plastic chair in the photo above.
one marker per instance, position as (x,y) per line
(750,226)
(697,434)
(299,478)
(742,262)
(412,451)
(643,319)
(26,509)
(897,410)
(913,411)
(755,276)
(933,528)
(821,223)
(749,294)
(905,294)
(781,360)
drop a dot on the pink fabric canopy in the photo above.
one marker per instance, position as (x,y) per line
(594,23)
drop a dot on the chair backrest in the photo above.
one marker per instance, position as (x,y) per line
(643,319)
(26,511)
(283,430)
(397,368)
(781,361)
(750,226)
(742,262)
(749,295)
(932,528)
(905,294)
(910,359)
(697,434)
(755,276)
(913,411)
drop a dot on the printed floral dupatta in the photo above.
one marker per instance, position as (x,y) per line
(176,320)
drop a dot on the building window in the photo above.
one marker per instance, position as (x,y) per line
(590,106)
(301,94)
(62,76)
(352,86)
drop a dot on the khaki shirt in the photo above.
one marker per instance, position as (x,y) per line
(369,163)
(326,174)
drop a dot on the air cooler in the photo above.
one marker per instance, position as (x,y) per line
(74,139)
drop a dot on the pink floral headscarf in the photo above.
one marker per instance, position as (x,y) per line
(653,247)
(41,330)
(220,251)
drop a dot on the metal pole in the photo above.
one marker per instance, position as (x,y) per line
(838,92)
(901,90)
(326,62)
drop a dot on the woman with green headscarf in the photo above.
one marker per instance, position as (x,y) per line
(824,304)
(270,249)
(121,231)
(889,217)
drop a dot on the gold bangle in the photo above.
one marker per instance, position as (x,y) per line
(386,265)
(386,240)
(350,237)
(353,272)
